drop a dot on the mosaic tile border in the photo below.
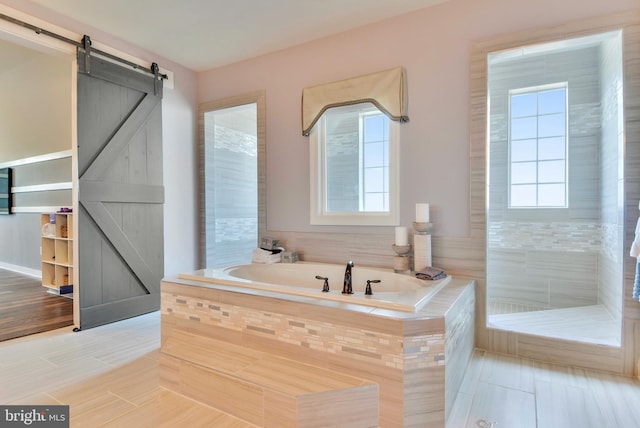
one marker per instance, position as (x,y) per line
(368,346)
(555,236)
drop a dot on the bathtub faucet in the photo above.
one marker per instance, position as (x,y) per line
(347,288)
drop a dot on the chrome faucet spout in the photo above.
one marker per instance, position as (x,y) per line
(347,287)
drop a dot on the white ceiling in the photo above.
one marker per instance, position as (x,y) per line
(203,34)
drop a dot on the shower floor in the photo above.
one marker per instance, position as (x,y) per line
(590,324)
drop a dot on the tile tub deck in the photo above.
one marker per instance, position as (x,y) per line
(417,360)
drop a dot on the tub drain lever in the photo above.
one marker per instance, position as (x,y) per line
(325,286)
(368,291)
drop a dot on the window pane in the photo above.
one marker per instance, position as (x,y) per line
(552,101)
(523,150)
(523,195)
(524,128)
(537,148)
(373,154)
(374,202)
(374,128)
(354,146)
(523,172)
(551,171)
(551,125)
(342,165)
(523,105)
(386,181)
(373,180)
(385,146)
(551,195)
(551,148)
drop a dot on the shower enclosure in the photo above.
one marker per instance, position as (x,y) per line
(555,189)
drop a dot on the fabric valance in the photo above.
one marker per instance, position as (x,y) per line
(387,90)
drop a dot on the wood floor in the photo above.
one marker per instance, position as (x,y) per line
(109,377)
(26,307)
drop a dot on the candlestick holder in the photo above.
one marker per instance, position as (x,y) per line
(422,228)
(401,250)
(401,262)
(422,245)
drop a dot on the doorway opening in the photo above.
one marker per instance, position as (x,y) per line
(555,189)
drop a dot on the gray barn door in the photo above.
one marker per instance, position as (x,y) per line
(120,218)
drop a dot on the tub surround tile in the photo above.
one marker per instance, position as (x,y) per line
(459,345)
(245,388)
(226,393)
(404,354)
(373,347)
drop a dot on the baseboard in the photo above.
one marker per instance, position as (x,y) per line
(21,269)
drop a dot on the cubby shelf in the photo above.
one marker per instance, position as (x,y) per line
(57,252)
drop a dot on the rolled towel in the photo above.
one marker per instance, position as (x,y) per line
(431,273)
(265,256)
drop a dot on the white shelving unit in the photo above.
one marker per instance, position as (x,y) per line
(57,253)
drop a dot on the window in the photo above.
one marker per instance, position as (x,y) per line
(353,174)
(231,184)
(538,147)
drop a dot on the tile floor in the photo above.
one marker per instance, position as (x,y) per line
(109,376)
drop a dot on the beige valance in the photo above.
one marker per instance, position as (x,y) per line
(387,90)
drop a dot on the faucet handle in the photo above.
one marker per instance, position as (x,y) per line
(325,286)
(368,291)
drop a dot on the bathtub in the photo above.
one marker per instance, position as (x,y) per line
(395,291)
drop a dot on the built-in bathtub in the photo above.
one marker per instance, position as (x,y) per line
(417,357)
(394,291)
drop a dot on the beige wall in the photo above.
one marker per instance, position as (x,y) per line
(35,102)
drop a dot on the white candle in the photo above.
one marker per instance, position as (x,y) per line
(422,213)
(402,238)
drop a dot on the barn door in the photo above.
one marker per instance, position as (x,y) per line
(120,191)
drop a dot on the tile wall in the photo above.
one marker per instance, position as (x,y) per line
(612,179)
(547,257)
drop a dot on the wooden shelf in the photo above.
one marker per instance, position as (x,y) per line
(57,252)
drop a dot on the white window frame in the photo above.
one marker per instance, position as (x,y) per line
(318,194)
(537,89)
